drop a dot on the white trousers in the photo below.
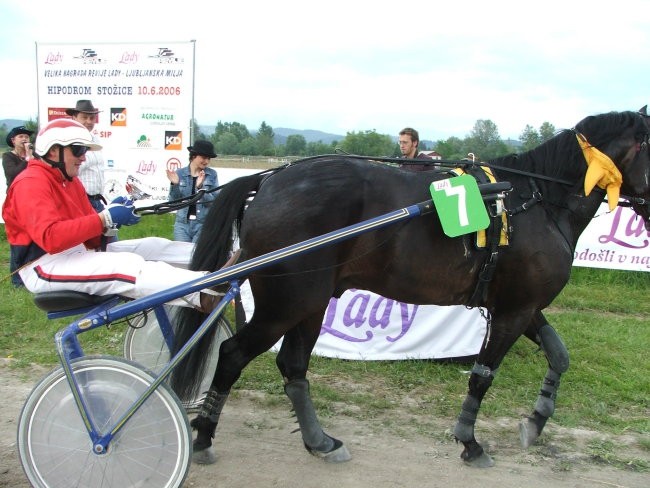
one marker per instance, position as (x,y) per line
(134,268)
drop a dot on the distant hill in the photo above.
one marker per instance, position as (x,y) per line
(309,135)
(11,123)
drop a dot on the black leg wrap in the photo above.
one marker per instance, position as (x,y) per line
(213,405)
(464,430)
(207,419)
(310,428)
(545,405)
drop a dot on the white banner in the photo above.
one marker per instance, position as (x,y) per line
(363,325)
(614,240)
(145,92)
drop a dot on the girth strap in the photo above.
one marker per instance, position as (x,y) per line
(492,239)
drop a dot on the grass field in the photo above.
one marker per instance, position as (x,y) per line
(602,315)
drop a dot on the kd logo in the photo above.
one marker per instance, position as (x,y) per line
(173,141)
(118,117)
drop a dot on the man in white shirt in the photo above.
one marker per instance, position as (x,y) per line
(91,172)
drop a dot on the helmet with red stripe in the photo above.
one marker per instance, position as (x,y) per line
(63,132)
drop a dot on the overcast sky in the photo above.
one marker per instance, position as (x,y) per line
(348,65)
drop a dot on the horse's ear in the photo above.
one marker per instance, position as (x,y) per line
(644,110)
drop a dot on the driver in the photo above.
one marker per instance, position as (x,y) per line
(57,232)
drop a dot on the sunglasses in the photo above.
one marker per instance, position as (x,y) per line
(78,151)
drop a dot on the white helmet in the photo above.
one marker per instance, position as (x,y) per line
(65,132)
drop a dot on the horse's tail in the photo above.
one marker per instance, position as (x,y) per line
(210,253)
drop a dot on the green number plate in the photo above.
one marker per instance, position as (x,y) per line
(459,204)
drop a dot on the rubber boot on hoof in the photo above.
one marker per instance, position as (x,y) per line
(317,442)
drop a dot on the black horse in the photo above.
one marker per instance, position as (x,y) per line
(412,262)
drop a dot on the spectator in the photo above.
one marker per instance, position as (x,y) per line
(48,217)
(185,182)
(14,161)
(409,140)
(91,172)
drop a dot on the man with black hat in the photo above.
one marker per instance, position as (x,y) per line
(185,182)
(14,161)
(91,173)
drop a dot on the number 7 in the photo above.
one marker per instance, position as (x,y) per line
(462,202)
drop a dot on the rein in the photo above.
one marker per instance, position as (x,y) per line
(438,164)
(455,163)
(173,205)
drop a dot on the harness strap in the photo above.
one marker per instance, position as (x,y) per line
(534,199)
(492,238)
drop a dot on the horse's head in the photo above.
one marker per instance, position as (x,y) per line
(623,136)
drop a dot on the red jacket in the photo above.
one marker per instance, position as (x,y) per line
(44,208)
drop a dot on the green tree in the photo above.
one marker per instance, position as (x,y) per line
(452,148)
(529,138)
(239,130)
(546,131)
(317,148)
(227,143)
(485,142)
(368,143)
(264,140)
(248,147)
(296,145)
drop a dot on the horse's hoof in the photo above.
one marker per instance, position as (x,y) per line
(527,432)
(205,456)
(338,455)
(482,461)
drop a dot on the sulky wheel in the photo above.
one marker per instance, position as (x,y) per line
(153,449)
(143,341)
(145,345)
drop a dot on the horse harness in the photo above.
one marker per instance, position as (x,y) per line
(498,231)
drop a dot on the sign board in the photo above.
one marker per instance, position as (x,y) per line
(145,92)
(614,240)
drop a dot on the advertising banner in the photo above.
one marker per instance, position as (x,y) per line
(614,240)
(145,93)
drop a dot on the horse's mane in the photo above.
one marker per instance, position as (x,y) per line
(600,129)
(561,157)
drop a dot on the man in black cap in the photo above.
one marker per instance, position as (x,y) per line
(91,173)
(185,182)
(14,161)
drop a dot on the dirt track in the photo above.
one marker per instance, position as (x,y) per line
(255,447)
